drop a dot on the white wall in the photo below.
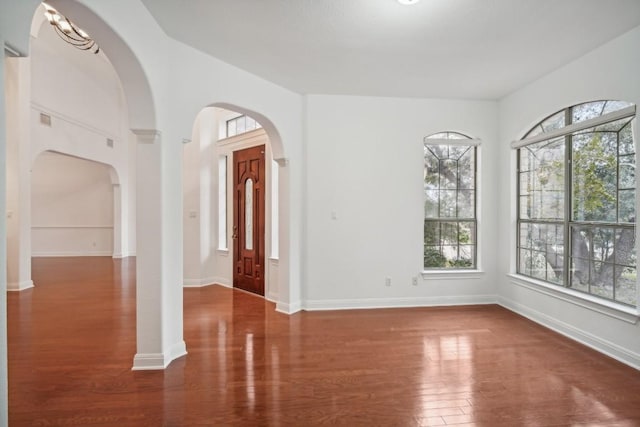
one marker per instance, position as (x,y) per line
(364,159)
(72,207)
(609,72)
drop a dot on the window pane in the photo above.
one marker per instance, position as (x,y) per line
(627,206)
(544,197)
(448,174)
(526,240)
(432,233)
(587,111)
(248,215)
(231,128)
(627,172)
(524,266)
(241,125)
(626,285)
(612,106)
(626,140)
(625,246)
(466,204)
(466,169)
(448,204)
(556,121)
(251,124)
(594,178)
(431,204)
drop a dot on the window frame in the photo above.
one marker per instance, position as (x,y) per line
(568,222)
(451,138)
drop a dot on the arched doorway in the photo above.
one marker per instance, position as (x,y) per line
(214,229)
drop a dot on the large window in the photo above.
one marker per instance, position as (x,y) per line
(577,200)
(450,201)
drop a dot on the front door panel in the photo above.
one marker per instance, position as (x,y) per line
(248,219)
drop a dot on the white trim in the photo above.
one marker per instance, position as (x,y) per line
(33,227)
(205,281)
(70,254)
(274,261)
(272,296)
(11,52)
(451,274)
(402,302)
(457,141)
(245,137)
(72,121)
(575,127)
(19,286)
(158,361)
(285,308)
(147,136)
(603,346)
(608,308)
(223,252)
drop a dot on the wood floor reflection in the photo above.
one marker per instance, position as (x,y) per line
(72,341)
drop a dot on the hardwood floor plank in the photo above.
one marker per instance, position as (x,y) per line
(72,341)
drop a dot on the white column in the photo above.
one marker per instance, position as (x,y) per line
(18,196)
(4,405)
(118,237)
(159,251)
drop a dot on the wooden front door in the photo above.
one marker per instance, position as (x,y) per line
(248,219)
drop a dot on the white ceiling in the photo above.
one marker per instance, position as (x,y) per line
(477,49)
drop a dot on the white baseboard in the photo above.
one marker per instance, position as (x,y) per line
(601,345)
(207,281)
(365,303)
(19,286)
(70,254)
(288,308)
(158,361)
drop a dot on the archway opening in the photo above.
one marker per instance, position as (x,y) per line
(230,238)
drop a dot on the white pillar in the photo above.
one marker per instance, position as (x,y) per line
(4,405)
(18,196)
(159,251)
(118,237)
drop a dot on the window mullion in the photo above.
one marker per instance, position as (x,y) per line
(568,205)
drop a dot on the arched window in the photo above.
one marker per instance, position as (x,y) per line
(576,201)
(450,160)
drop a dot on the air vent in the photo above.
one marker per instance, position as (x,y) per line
(45,119)
(109,142)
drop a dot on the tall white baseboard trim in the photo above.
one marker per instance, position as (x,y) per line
(603,346)
(158,361)
(19,286)
(288,308)
(206,281)
(365,303)
(70,253)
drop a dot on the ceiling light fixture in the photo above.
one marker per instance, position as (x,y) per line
(70,32)
(408,2)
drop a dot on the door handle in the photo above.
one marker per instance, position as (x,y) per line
(235,233)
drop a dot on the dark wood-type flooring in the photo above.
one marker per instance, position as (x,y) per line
(72,342)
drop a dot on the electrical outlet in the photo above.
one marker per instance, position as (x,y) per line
(414,280)
(387,281)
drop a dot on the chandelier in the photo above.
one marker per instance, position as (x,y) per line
(70,32)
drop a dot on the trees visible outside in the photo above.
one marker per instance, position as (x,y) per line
(600,189)
(449,188)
